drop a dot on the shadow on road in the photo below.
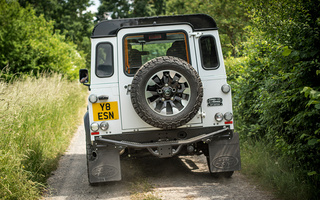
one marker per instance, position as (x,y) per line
(70,180)
(184,177)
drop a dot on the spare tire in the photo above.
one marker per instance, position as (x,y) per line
(166,92)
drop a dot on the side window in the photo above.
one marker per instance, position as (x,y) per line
(104,60)
(209,55)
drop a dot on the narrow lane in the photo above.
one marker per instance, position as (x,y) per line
(184,177)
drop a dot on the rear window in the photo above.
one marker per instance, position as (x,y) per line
(140,48)
(104,60)
(209,55)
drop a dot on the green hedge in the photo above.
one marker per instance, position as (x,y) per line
(275,87)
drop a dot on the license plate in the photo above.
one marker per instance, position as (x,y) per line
(105,111)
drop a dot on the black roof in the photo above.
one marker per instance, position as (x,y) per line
(111,27)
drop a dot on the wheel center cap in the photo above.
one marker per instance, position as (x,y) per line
(167,91)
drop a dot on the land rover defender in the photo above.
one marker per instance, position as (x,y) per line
(158,84)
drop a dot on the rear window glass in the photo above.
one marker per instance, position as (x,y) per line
(104,60)
(140,48)
(209,55)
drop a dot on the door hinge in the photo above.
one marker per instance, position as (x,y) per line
(196,34)
(128,87)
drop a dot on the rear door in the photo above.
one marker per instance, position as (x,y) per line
(138,40)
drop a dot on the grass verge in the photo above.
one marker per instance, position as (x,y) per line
(38,117)
(142,189)
(279,174)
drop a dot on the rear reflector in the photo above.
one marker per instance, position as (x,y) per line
(230,122)
(95,133)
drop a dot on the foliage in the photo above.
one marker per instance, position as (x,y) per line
(276,93)
(273,172)
(27,44)
(146,8)
(38,117)
(126,8)
(70,19)
(113,8)
(313,95)
(231,17)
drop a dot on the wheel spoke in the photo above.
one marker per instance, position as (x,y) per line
(168,92)
(159,106)
(166,77)
(153,98)
(152,88)
(177,103)
(169,108)
(185,97)
(181,87)
(157,80)
(176,77)
(175,80)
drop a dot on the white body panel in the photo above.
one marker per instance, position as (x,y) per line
(130,120)
(116,85)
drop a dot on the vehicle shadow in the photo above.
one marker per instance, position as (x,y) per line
(70,180)
(152,167)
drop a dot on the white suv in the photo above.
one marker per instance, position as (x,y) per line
(158,84)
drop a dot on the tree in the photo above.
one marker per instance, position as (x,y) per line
(231,17)
(47,8)
(125,8)
(28,44)
(113,8)
(70,19)
(146,8)
(70,16)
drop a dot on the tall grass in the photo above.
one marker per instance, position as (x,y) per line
(277,173)
(38,117)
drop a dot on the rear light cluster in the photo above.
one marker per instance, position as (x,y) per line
(96,126)
(225,88)
(227,116)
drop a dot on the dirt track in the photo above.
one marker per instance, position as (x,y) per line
(149,177)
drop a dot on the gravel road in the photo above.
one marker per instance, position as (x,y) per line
(184,177)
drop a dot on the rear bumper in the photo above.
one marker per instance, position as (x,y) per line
(164,143)
(206,137)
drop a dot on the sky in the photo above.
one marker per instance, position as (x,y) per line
(94,8)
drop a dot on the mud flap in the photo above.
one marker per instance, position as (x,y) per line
(105,166)
(224,155)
